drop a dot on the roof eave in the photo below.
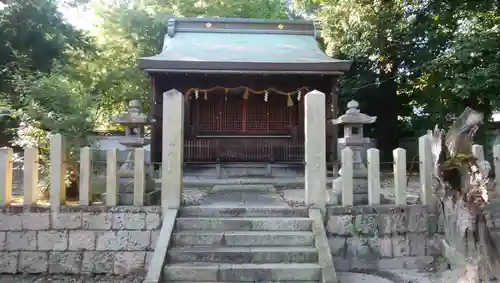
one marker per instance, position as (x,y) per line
(154,65)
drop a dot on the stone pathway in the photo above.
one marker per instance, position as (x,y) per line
(259,195)
(22,278)
(407,276)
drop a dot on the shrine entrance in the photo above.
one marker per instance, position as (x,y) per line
(237,127)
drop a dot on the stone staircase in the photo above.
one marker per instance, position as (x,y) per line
(252,244)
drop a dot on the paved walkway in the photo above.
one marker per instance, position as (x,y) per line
(345,277)
(21,278)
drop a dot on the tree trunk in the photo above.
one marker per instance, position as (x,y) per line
(462,190)
(467,242)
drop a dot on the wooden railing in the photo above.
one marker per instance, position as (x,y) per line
(243,148)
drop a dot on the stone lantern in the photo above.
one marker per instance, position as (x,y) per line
(135,122)
(353,121)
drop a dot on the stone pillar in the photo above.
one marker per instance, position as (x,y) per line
(5,176)
(30,176)
(347,177)
(57,172)
(399,155)
(315,149)
(172,149)
(85,174)
(373,162)
(139,176)
(425,170)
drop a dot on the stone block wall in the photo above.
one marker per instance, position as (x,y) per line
(380,237)
(94,239)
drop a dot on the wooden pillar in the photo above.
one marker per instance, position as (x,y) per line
(153,117)
(333,113)
(156,115)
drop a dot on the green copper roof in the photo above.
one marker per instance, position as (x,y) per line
(241,45)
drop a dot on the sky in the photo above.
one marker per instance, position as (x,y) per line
(82,19)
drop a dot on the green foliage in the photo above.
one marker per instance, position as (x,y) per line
(34,36)
(128,30)
(416,63)
(56,79)
(260,9)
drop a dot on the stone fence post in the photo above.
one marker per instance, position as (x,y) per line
(139,176)
(57,172)
(347,177)
(30,178)
(112,177)
(85,176)
(373,162)
(315,149)
(425,170)
(5,176)
(399,155)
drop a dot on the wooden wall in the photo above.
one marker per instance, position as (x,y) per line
(287,83)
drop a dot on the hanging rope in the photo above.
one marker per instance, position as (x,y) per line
(247,91)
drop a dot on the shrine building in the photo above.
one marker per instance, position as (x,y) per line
(244,82)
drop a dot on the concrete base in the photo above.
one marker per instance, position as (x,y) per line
(360,193)
(158,260)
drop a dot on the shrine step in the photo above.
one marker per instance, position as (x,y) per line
(214,211)
(242,238)
(242,244)
(244,223)
(268,272)
(277,254)
(281,281)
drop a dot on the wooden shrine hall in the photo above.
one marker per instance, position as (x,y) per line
(244,82)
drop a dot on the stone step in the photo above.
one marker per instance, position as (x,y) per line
(267,272)
(218,211)
(278,254)
(243,282)
(242,238)
(243,223)
(281,281)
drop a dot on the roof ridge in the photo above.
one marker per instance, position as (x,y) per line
(240,25)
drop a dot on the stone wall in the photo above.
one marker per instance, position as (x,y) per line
(92,239)
(380,237)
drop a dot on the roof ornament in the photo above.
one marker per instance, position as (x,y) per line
(171,27)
